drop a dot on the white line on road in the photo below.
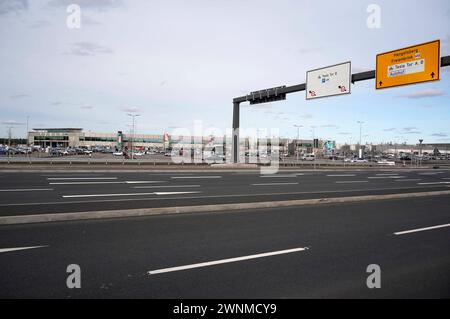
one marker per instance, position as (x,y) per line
(273,184)
(26,190)
(105,183)
(188,177)
(431,173)
(386,174)
(78,178)
(433,183)
(174,193)
(127,194)
(345,182)
(409,180)
(144,182)
(281,176)
(224,261)
(385,177)
(341,175)
(420,229)
(6,250)
(168,186)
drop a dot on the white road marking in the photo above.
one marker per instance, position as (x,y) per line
(6,250)
(26,190)
(281,176)
(174,193)
(186,177)
(433,183)
(345,182)
(224,261)
(144,182)
(430,173)
(385,177)
(168,186)
(273,184)
(409,180)
(386,174)
(127,194)
(78,178)
(421,229)
(104,183)
(341,175)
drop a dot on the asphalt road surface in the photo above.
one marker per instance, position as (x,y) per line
(318,251)
(335,245)
(37,193)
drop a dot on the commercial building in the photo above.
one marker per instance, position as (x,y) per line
(77,137)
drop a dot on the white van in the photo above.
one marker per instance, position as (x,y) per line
(308,157)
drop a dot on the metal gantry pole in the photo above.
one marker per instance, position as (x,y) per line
(235,134)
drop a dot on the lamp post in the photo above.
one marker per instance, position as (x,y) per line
(298,138)
(133,116)
(360,131)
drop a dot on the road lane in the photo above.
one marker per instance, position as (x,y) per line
(230,188)
(115,255)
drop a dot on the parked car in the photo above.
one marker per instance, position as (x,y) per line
(308,157)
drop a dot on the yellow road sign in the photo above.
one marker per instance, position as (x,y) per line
(415,64)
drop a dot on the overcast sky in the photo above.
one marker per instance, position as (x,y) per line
(174,62)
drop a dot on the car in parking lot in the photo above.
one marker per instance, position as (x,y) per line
(308,157)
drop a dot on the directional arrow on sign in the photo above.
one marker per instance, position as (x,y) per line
(432,75)
(381,83)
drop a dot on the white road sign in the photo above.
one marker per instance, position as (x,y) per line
(329,81)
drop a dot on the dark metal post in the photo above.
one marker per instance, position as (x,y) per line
(235,137)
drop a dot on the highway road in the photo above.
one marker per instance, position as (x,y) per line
(335,245)
(316,251)
(41,193)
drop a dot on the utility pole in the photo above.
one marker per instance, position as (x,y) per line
(360,131)
(26,133)
(133,116)
(298,138)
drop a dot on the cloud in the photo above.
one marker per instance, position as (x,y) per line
(12,122)
(56,103)
(439,135)
(19,96)
(13,6)
(87,107)
(305,116)
(308,50)
(329,126)
(409,128)
(94,5)
(423,94)
(39,24)
(132,109)
(389,129)
(344,133)
(88,49)
(89,21)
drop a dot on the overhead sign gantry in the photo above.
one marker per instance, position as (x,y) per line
(279,93)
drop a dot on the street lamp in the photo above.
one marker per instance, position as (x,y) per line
(298,138)
(360,131)
(133,116)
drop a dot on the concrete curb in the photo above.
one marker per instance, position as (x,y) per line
(45,218)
